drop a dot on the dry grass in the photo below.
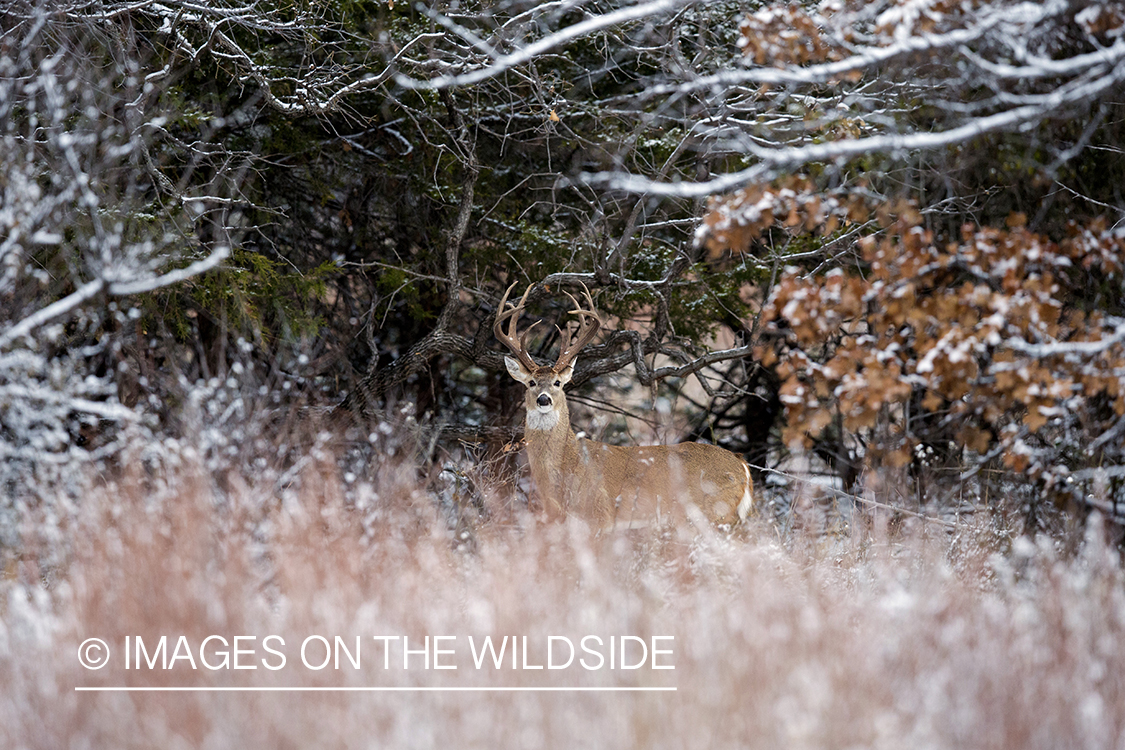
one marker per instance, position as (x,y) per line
(922,640)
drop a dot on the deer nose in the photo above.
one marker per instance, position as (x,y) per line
(543,400)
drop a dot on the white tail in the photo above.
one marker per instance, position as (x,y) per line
(610,485)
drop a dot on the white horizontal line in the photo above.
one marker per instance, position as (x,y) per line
(374,689)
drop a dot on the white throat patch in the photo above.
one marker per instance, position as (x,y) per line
(542,420)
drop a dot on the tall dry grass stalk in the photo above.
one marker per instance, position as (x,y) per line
(916,641)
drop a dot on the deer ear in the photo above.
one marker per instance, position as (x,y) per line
(566,374)
(517,370)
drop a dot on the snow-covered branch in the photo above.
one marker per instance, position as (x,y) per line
(774,161)
(178,276)
(647,11)
(819,89)
(53,311)
(1064,348)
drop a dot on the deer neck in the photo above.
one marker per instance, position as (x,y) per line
(552,447)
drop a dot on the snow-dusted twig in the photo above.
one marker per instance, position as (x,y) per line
(548,43)
(53,311)
(144,286)
(1063,348)
(773,161)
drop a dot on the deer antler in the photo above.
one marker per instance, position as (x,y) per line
(508,338)
(588,326)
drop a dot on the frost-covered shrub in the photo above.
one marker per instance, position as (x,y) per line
(85,226)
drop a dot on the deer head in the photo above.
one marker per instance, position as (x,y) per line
(545,401)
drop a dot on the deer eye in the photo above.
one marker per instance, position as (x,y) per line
(558,383)
(531,384)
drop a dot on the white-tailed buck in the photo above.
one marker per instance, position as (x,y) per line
(609,485)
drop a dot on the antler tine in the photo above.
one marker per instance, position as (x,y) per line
(588,326)
(508,338)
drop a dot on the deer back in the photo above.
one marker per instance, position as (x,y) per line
(636,486)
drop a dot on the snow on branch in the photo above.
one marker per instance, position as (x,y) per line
(53,311)
(180,275)
(524,55)
(1063,348)
(864,59)
(85,218)
(824,87)
(774,161)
